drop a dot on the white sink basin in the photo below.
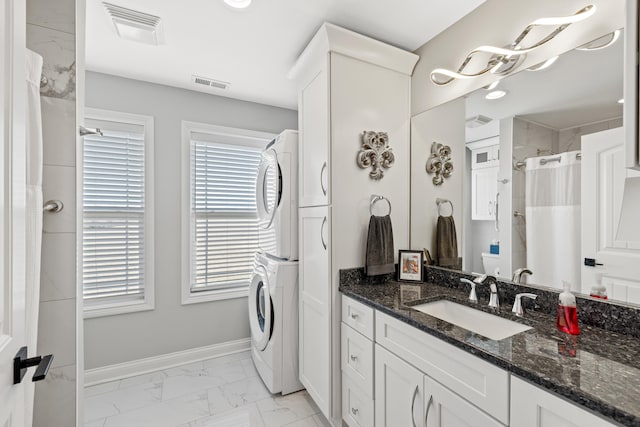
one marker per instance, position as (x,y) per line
(485,324)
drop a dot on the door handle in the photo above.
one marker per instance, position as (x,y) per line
(83,131)
(497,208)
(21,363)
(324,222)
(324,167)
(413,403)
(426,416)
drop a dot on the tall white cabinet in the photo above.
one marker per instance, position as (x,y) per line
(347,84)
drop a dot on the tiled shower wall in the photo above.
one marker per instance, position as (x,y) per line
(51,33)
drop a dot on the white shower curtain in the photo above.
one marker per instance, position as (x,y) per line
(34,209)
(553,220)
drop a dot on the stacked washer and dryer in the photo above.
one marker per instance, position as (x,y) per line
(273,294)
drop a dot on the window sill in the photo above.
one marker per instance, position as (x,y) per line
(112,309)
(214,295)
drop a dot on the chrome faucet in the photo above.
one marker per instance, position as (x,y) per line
(517,275)
(472,295)
(518,309)
(494,300)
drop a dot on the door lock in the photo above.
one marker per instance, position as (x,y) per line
(591,262)
(21,363)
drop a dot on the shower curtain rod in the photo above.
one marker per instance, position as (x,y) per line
(518,165)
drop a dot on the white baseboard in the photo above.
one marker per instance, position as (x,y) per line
(151,364)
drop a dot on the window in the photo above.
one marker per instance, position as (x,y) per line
(220,226)
(117,214)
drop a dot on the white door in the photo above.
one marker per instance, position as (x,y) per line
(315,308)
(603,175)
(12,217)
(444,408)
(399,391)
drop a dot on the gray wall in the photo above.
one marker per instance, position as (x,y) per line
(171,326)
(51,33)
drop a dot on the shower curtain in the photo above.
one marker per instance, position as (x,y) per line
(33,209)
(553,220)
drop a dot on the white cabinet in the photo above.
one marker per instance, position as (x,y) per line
(533,407)
(313,155)
(484,190)
(485,156)
(399,396)
(406,397)
(315,305)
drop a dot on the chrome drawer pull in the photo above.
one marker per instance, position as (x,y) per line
(353,358)
(354,411)
(413,403)
(354,316)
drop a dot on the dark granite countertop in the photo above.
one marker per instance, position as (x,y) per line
(598,369)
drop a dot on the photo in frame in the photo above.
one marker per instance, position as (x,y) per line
(410,266)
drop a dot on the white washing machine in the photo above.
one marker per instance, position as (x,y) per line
(277,197)
(273,317)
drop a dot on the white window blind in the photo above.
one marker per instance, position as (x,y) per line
(113,237)
(224,226)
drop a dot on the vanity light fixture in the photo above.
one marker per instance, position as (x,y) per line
(504,60)
(496,94)
(492,86)
(238,4)
(545,64)
(601,42)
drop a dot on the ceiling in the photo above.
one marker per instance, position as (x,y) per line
(253,49)
(581,87)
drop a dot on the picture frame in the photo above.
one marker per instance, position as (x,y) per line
(410,266)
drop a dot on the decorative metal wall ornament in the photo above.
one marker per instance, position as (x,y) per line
(375,153)
(439,163)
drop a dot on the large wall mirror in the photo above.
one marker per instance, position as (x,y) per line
(542,173)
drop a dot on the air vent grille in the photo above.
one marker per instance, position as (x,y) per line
(477,121)
(130,15)
(204,81)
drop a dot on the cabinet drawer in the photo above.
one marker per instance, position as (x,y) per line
(357,406)
(357,358)
(533,407)
(480,382)
(358,316)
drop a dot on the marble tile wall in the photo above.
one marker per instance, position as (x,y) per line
(569,139)
(51,33)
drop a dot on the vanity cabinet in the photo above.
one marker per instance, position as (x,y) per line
(533,407)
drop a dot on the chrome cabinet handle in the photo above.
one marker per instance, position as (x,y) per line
(426,417)
(354,411)
(497,216)
(324,167)
(324,222)
(353,358)
(413,403)
(354,316)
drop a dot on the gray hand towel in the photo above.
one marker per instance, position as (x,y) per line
(446,242)
(379,256)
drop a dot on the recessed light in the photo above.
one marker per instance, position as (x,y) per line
(496,94)
(238,4)
(621,101)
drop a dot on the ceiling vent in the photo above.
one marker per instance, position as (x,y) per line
(134,25)
(477,121)
(204,81)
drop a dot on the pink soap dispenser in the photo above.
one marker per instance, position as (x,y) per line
(567,312)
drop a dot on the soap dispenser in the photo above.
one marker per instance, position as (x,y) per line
(567,311)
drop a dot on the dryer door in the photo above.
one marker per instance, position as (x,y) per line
(268,188)
(260,309)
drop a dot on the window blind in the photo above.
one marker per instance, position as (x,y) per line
(113,236)
(224,225)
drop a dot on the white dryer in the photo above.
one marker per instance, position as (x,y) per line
(273,317)
(277,197)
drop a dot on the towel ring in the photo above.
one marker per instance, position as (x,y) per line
(374,199)
(440,202)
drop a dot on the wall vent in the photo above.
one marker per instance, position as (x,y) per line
(135,25)
(477,121)
(204,81)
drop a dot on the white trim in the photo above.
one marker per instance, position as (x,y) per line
(151,364)
(260,139)
(110,308)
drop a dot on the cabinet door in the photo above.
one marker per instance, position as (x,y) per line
(446,409)
(484,187)
(399,391)
(533,407)
(313,184)
(315,309)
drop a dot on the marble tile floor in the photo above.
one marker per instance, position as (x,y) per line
(221,392)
